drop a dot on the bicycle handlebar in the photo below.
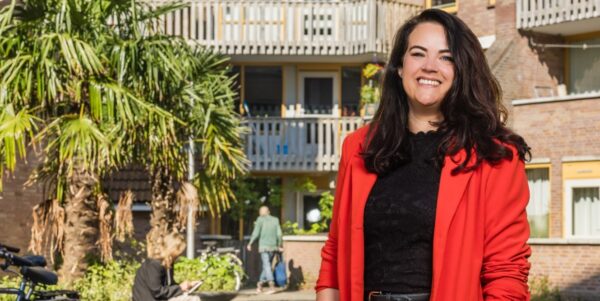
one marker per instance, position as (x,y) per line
(13,259)
(9,248)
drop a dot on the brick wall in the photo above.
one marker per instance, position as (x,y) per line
(303,260)
(16,203)
(518,66)
(557,129)
(478,15)
(575,269)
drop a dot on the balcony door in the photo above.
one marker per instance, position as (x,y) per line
(319,93)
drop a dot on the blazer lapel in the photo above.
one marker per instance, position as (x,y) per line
(451,191)
(361,183)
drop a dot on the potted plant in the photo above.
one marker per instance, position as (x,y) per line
(369,92)
(221,275)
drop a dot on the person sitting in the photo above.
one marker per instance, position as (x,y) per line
(154,279)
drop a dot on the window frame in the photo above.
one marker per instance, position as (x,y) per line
(547,166)
(336,90)
(568,204)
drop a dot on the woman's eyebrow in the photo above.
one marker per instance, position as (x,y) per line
(425,49)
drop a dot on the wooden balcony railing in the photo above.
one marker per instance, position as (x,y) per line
(290,27)
(535,13)
(297,144)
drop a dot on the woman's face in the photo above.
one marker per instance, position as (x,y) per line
(428,68)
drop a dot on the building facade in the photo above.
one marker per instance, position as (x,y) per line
(298,65)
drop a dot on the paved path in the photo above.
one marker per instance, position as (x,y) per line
(251,295)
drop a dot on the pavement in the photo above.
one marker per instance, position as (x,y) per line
(280,295)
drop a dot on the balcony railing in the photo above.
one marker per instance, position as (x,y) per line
(290,27)
(297,144)
(536,13)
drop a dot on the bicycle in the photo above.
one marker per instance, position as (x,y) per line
(33,275)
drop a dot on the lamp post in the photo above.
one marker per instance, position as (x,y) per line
(190,229)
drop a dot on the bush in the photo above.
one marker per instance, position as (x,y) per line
(9,282)
(218,272)
(542,290)
(111,281)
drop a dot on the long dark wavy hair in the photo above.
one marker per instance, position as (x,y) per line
(474,118)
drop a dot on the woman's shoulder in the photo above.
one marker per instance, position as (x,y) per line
(151,263)
(353,143)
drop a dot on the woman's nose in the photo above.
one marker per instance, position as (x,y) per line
(430,64)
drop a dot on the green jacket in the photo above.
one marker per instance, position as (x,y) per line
(268,232)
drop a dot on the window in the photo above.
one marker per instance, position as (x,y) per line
(318,92)
(584,67)
(263,88)
(311,212)
(582,206)
(539,201)
(450,6)
(350,90)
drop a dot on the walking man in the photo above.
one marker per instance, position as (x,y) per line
(268,232)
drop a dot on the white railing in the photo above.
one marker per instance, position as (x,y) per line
(297,144)
(534,13)
(290,27)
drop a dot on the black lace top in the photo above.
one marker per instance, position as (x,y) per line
(399,219)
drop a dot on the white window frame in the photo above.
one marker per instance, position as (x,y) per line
(568,204)
(300,205)
(336,91)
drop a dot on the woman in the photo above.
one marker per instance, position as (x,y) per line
(431,196)
(154,279)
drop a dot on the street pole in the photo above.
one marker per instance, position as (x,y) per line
(191,210)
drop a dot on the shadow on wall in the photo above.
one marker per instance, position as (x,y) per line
(550,61)
(586,290)
(295,277)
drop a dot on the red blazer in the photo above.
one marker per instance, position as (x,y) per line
(480,246)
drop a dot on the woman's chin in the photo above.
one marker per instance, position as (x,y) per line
(428,103)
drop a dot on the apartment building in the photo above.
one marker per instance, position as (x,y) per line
(546,55)
(299,72)
(299,62)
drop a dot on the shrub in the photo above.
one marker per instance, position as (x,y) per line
(111,281)
(9,282)
(542,290)
(218,272)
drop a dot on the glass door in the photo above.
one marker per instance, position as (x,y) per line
(319,93)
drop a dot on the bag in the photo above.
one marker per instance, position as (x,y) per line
(279,273)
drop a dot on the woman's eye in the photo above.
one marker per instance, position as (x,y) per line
(448,58)
(417,54)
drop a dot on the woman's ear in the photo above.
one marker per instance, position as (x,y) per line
(400,72)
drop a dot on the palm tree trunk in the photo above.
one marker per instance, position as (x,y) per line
(162,215)
(81,225)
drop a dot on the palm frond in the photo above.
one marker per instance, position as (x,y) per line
(15,128)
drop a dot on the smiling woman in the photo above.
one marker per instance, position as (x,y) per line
(430,198)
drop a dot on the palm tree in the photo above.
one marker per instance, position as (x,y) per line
(98,85)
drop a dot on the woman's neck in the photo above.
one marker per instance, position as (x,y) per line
(423,121)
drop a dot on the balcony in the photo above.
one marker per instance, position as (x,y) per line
(297,144)
(564,17)
(290,27)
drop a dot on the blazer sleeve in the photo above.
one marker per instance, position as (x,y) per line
(154,283)
(328,277)
(505,266)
